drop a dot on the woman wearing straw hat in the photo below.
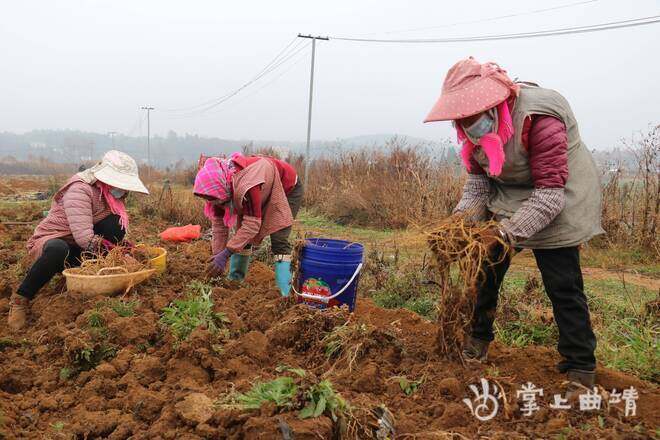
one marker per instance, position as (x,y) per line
(529,170)
(87,215)
(260,196)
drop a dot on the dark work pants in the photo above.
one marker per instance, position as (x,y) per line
(279,241)
(57,253)
(562,278)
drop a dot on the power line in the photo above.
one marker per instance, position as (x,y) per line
(550,32)
(274,79)
(485,20)
(280,55)
(230,95)
(137,125)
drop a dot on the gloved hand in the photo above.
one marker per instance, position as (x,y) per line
(127,244)
(218,264)
(107,245)
(493,237)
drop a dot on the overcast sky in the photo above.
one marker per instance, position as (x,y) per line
(90,65)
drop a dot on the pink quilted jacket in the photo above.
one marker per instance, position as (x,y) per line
(276,213)
(76,207)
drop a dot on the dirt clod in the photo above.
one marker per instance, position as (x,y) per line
(195,408)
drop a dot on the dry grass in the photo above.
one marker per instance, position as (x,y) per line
(390,188)
(631,200)
(176,205)
(35,166)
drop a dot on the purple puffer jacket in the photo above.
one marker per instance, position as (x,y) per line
(76,207)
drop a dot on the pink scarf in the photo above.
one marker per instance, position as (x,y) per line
(116,205)
(214,179)
(492,144)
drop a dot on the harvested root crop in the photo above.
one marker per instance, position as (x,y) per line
(461,258)
(118,260)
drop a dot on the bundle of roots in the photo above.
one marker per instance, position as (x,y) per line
(461,259)
(118,260)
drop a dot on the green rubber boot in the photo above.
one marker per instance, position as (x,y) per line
(283,273)
(238,267)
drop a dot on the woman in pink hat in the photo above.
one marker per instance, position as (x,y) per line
(529,170)
(87,215)
(256,197)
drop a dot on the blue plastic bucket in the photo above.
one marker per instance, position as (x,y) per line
(329,273)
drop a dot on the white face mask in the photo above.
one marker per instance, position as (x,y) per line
(118,193)
(481,127)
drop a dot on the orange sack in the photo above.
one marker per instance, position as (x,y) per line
(181,233)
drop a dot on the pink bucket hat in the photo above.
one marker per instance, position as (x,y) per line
(471,88)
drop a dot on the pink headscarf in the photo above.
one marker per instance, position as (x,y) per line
(214,179)
(471,88)
(116,205)
(492,144)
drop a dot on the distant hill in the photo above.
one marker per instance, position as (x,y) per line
(73,146)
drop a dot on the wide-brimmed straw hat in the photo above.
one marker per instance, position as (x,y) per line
(471,88)
(119,170)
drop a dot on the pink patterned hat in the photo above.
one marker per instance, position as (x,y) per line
(471,88)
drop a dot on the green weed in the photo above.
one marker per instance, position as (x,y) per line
(525,331)
(286,369)
(95,320)
(65,373)
(88,358)
(631,344)
(280,391)
(407,386)
(124,309)
(8,343)
(313,399)
(57,426)
(407,291)
(322,398)
(185,315)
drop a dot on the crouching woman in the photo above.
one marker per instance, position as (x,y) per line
(259,197)
(87,214)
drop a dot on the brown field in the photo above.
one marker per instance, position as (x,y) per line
(87,368)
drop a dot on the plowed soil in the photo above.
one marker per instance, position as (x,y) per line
(147,388)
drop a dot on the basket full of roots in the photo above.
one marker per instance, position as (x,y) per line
(461,258)
(118,271)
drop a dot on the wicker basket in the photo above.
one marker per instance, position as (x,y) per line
(107,281)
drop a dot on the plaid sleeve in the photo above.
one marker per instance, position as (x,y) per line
(535,214)
(475,197)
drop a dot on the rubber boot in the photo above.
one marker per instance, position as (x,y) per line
(580,381)
(475,350)
(238,267)
(283,273)
(18,309)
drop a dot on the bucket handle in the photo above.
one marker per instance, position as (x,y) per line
(326,299)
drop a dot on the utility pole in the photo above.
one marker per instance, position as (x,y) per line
(148,109)
(112,136)
(311,95)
